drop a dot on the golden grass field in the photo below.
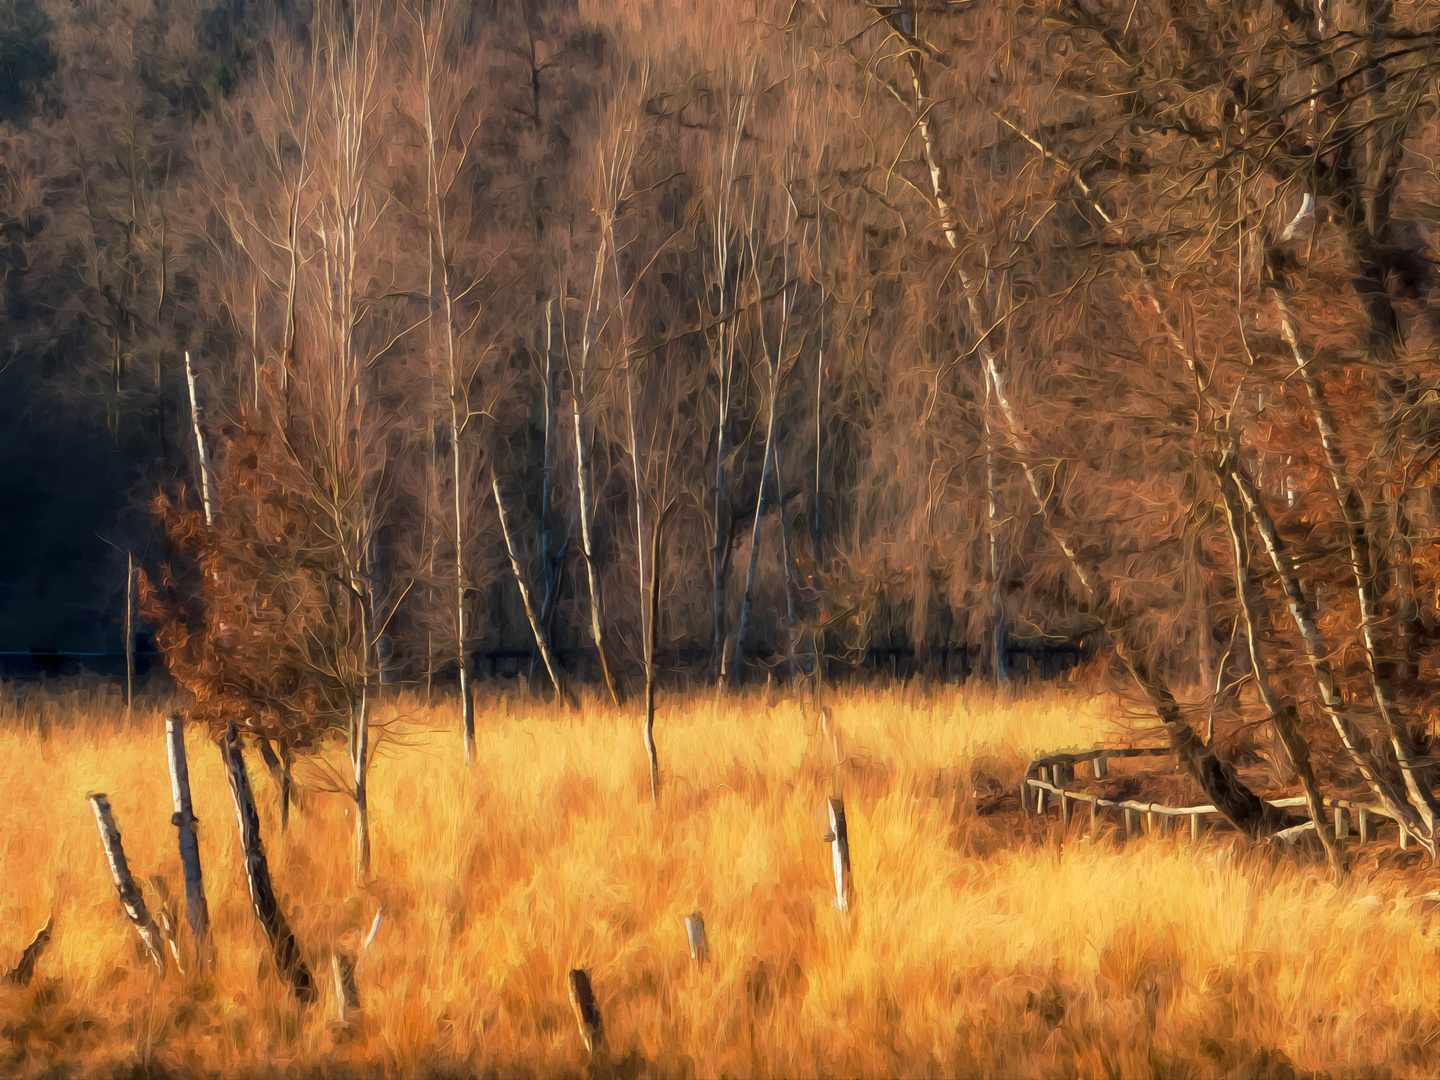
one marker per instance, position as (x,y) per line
(978,944)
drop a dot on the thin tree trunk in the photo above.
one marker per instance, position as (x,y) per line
(129,631)
(652,637)
(130,896)
(1282,716)
(458,398)
(550,559)
(720,548)
(360,765)
(207,498)
(592,574)
(197,911)
(537,628)
(1302,612)
(281,775)
(1362,565)
(257,872)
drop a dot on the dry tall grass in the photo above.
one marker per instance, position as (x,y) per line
(978,945)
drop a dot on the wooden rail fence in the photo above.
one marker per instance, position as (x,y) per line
(1049,776)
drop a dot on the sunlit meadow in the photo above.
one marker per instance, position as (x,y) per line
(978,944)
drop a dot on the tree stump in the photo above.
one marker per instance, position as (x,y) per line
(587,1014)
(130,896)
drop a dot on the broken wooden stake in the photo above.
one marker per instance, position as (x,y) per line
(587,1016)
(130,897)
(24,971)
(695,932)
(347,994)
(840,850)
(257,871)
(197,911)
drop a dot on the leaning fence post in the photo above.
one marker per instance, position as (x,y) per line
(24,971)
(130,896)
(840,850)
(197,912)
(587,1015)
(695,933)
(257,871)
(347,994)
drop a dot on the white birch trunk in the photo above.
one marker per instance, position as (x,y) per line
(130,896)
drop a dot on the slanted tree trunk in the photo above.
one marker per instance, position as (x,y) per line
(537,628)
(129,631)
(283,945)
(130,896)
(197,911)
(1282,714)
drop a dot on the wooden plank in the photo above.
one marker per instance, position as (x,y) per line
(587,1014)
(130,895)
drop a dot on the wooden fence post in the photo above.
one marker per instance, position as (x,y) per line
(1342,823)
(1065,810)
(1196,825)
(695,932)
(1094,818)
(840,841)
(257,871)
(1132,823)
(1100,767)
(1040,792)
(24,971)
(197,911)
(587,1015)
(130,896)
(1362,816)
(347,994)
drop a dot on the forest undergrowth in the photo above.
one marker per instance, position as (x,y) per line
(979,943)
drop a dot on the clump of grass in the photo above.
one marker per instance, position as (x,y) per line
(979,944)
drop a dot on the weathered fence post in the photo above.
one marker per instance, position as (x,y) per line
(1099,766)
(1342,823)
(1197,823)
(197,912)
(840,841)
(1064,810)
(1040,792)
(1362,816)
(257,871)
(24,971)
(695,933)
(1094,818)
(1404,838)
(1149,822)
(125,885)
(587,1015)
(347,994)
(1132,823)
